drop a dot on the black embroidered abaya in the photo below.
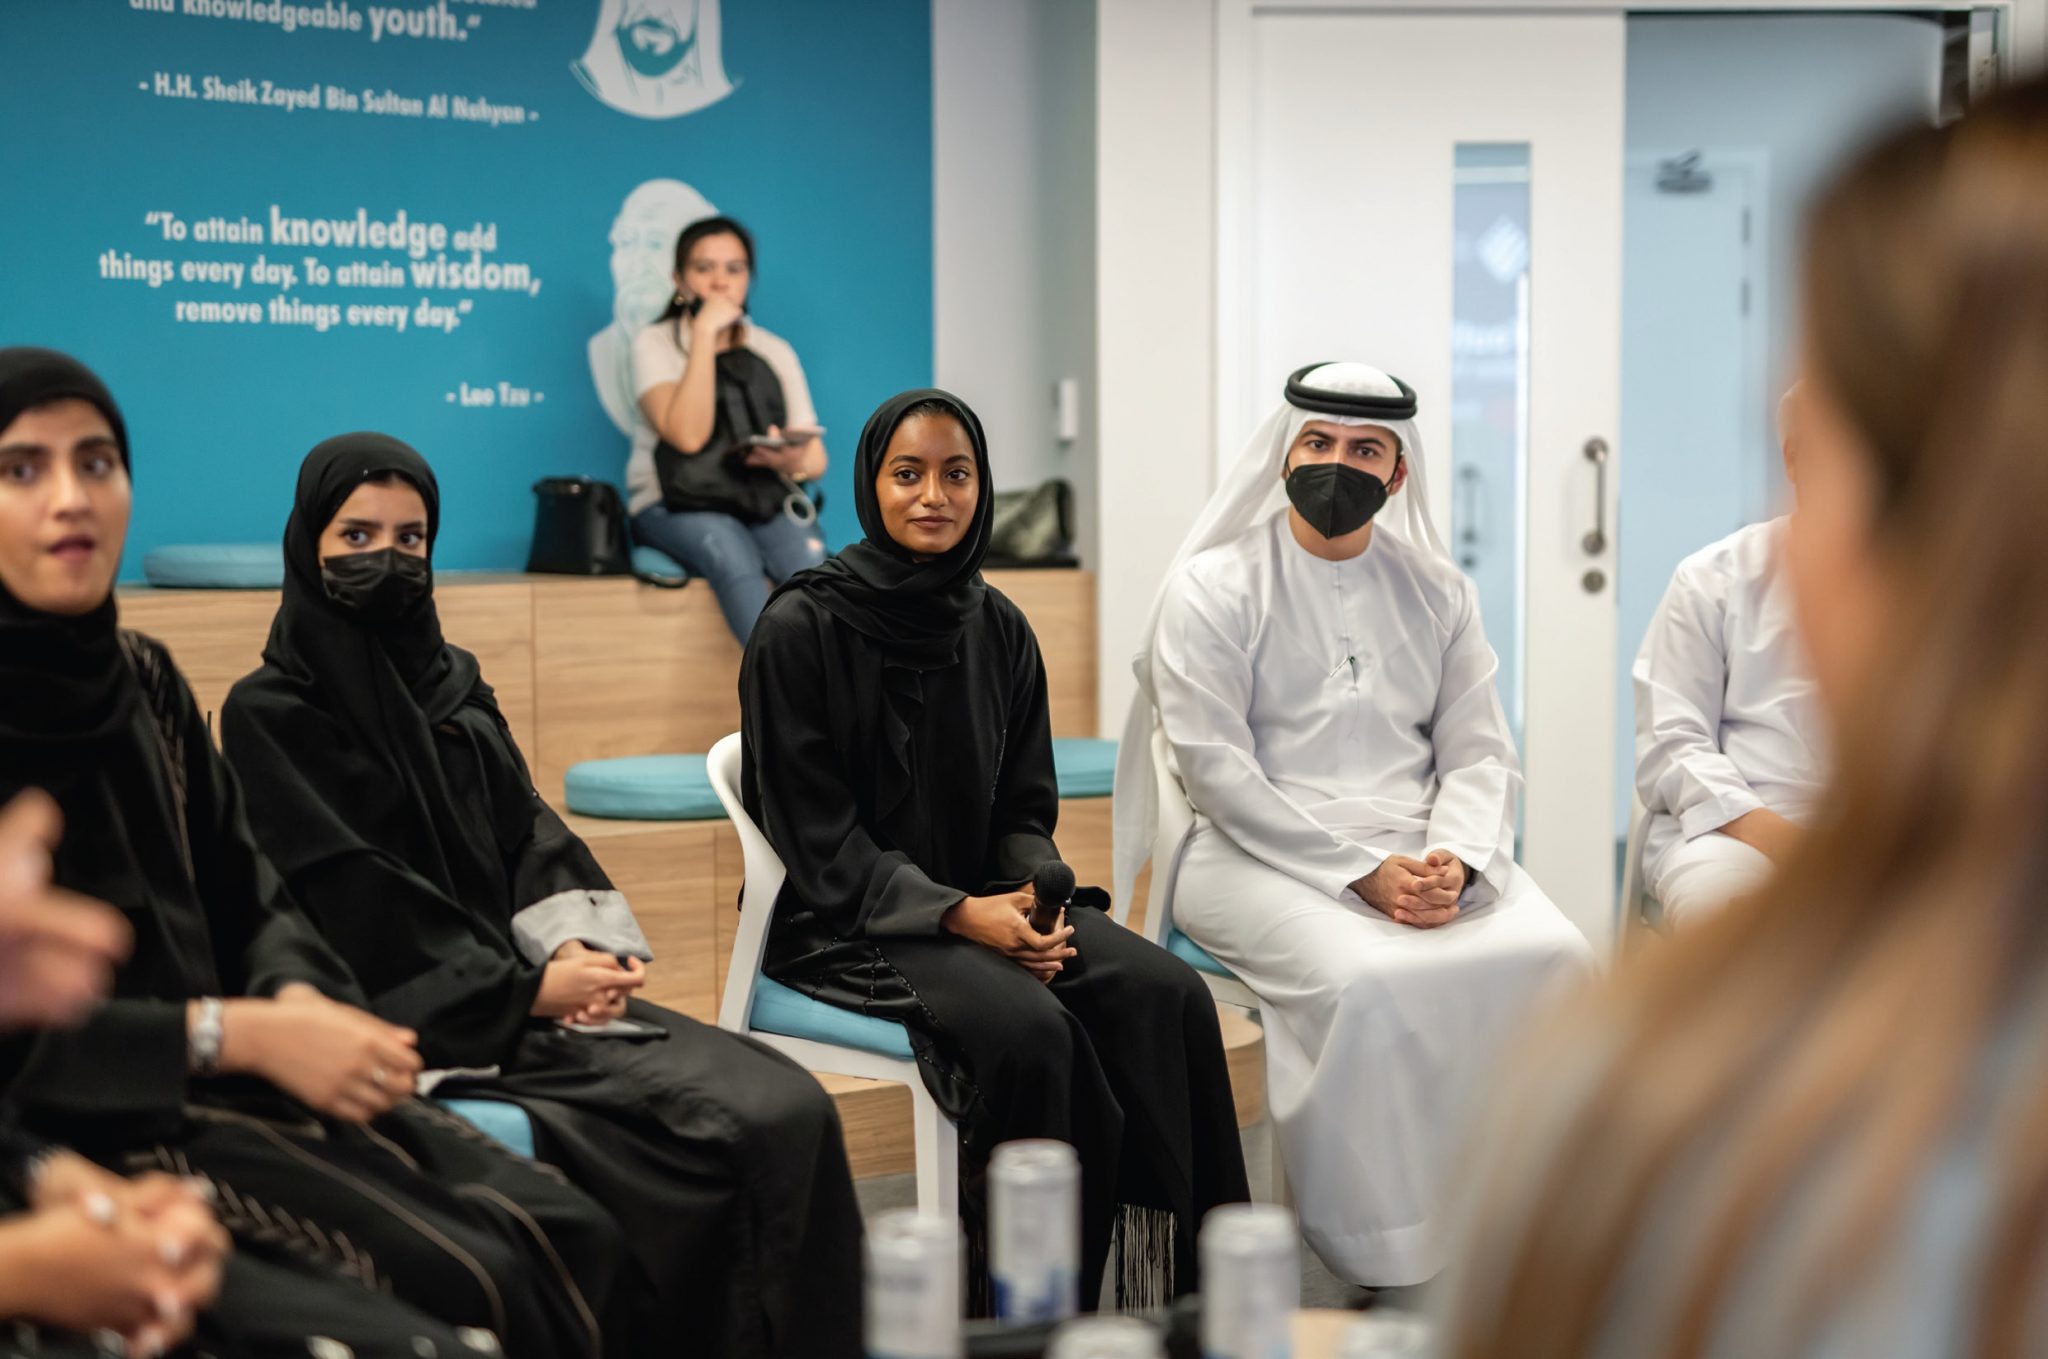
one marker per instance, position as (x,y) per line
(386,787)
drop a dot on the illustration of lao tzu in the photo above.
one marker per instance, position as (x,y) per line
(643,279)
(655,58)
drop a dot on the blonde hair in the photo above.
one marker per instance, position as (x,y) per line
(1840,1021)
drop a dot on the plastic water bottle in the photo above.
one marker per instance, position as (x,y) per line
(1107,1338)
(1251,1281)
(914,1287)
(1385,1335)
(1034,1252)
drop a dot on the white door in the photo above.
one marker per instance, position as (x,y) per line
(1344,140)
(1696,419)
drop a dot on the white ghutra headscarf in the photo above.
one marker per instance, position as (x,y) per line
(1252,492)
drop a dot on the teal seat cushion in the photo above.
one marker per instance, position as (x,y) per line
(783,1010)
(1085,764)
(505,1124)
(652,561)
(643,788)
(215,566)
(1194,955)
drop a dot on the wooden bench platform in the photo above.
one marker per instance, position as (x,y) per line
(586,669)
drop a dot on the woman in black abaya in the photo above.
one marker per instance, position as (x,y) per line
(231,1048)
(385,786)
(898,755)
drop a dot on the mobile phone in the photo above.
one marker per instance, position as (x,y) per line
(633,1029)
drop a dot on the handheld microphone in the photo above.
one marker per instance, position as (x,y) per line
(1053,884)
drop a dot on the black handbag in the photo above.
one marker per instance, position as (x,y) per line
(717,477)
(579,529)
(1033,528)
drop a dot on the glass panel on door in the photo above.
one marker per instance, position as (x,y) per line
(1490,393)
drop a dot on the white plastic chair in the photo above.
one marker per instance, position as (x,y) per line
(1640,913)
(937,1140)
(1169,844)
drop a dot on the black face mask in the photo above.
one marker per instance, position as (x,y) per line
(379,586)
(1334,498)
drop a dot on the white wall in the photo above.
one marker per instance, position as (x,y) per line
(1155,311)
(1013,249)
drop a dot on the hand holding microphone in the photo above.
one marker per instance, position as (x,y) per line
(1053,888)
(1024,926)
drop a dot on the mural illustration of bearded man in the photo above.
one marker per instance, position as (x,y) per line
(655,58)
(643,244)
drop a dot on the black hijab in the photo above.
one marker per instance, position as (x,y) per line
(75,722)
(320,640)
(66,683)
(915,611)
(389,685)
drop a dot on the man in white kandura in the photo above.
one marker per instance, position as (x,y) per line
(1328,697)
(1728,739)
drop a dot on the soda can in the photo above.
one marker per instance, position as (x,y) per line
(1251,1281)
(1107,1338)
(914,1287)
(1034,1250)
(1385,1335)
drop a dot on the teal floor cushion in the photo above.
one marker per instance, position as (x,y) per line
(1086,765)
(643,788)
(652,561)
(215,566)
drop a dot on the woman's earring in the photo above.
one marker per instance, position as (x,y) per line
(680,299)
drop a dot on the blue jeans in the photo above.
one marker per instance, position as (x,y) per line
(740,560)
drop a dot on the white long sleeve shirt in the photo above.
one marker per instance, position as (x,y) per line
(1726,719)
(1325,715)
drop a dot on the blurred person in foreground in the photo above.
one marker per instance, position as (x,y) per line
(1816,1125)
(82,1250)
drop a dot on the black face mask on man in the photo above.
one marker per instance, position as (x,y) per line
(1335,498)
(379,586)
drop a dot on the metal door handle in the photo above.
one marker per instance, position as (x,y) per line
(1470,496)
(1595,541)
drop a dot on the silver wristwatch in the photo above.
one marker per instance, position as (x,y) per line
(202,1042)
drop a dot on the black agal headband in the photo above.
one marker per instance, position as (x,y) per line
(1362,405)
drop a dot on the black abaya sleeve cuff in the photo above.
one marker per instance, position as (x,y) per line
(910,904)
(1017,856)
(1092,896)
(20,1153)
(128,1058)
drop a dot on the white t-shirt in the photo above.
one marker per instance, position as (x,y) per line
(659,354)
